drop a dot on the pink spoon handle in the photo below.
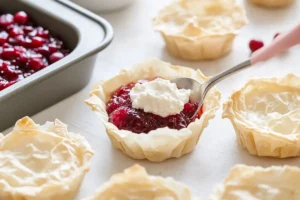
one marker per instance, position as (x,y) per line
(280,44)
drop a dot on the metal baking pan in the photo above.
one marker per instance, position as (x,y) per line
(77,27)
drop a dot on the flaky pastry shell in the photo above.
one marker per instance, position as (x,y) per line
(272,3)
(272,183)
(42,162)
(265,114)
(200,29)
(135,183)
(162,143)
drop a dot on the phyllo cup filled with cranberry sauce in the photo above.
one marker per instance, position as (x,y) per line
(140,133)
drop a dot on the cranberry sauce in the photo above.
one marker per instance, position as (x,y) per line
(25,48)
(125,117)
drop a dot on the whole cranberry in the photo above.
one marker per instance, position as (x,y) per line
(32,33)
(8,73)
(23,59)
(3,37)
(37,42)
(16,31)
(27,42)
(35,63)
(8,53)
(52,48)
(12,41)
(44,50)
(11,74)
(20,40)
(21,17)
(43,33)
(3,65)
(56,57)
(19,51)
(254,45)
(6,20)
(27,29)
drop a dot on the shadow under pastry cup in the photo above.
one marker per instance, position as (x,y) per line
(200,30)
(265,114)
(42,162)
(248,182)
(135,183)
(272,3)
(162,143)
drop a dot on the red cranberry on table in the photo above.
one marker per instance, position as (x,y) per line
(122,115)
(276,35)
(25,48)
(254,45)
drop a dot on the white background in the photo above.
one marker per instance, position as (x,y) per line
(217,150)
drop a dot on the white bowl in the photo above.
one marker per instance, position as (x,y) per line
(103,5)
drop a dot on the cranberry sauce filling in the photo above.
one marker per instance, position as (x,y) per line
(25,48)
(254,45)
(125,117)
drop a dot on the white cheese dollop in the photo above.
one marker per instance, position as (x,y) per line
(160,97)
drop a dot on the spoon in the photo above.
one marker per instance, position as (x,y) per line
(280,44)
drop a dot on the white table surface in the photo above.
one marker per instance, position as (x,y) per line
(217,150)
